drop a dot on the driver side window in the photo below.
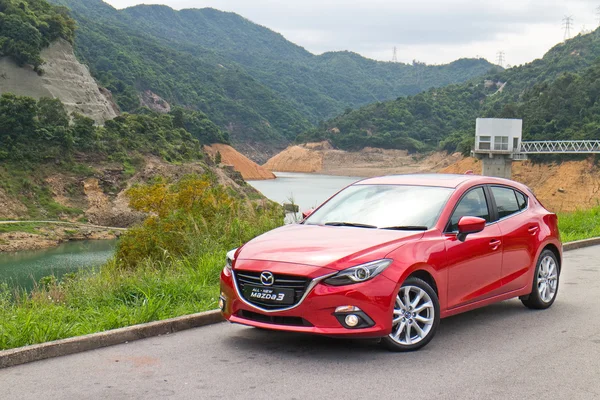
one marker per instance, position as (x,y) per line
(473,204)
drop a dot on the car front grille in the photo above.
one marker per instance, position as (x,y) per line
(297,283)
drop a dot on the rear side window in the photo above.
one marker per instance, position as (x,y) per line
(522,200)
(473,204)
(506,201)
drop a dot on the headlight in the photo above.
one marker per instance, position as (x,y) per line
(359,273)
(230,257)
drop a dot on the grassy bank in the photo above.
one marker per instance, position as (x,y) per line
(109,298)
(162,285)
(581,224)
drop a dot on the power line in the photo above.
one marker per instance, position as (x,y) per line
(500,58)
(567,24)
(395,55)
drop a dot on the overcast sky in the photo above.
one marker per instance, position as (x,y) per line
(433,31)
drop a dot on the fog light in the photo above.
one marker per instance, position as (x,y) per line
(351,320)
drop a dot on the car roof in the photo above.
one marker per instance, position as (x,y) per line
(439,180)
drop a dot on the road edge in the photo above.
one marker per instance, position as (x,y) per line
(77,344)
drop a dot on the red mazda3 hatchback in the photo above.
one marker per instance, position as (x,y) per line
(389,256)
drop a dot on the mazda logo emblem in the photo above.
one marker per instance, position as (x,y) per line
(267,278)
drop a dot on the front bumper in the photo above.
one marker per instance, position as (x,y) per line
(315,313)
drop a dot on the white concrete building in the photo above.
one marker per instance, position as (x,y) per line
(498,135)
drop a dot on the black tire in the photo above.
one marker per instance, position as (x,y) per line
(395,344)
(535,300)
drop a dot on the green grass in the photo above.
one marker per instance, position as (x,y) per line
(109,298)
(20,227)
(581,224)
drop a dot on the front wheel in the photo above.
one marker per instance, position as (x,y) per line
(415,318)
(545,282)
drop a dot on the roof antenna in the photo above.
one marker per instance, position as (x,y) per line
(469,172)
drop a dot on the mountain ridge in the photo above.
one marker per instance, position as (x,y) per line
(445,117)
(247,78)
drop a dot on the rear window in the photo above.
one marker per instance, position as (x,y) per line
(521,200)
(506,201)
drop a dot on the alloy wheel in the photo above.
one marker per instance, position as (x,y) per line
(547,279)
(414,315)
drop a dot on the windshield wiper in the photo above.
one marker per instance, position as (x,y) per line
(355,224)
(407,228)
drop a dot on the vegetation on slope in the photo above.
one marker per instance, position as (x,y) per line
(167,267)
(39,136)
(27,26)
(41,130)
(556,97)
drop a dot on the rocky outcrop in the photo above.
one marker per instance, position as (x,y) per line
(63,77)
(51,235)
(154,102)
(230,156)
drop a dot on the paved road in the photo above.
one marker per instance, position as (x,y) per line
(500,352)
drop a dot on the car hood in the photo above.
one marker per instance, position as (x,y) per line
(331,246)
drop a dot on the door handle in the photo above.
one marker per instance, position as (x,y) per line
(495,243)
(533,229)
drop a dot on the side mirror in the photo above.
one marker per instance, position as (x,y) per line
(468,225)
(305,214)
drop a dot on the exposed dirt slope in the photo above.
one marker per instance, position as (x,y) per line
(562,187)
(64,77)
(230,156)
(296,159)
(322,158)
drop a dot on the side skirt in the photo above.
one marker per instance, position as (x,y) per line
(485,302)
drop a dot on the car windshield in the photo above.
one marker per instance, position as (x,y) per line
(383,206)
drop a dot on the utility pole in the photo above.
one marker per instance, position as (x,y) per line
(500,58)
(567,24)
(395,56)
(598,14)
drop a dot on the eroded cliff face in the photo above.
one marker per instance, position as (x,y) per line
(239,162)
(64,77)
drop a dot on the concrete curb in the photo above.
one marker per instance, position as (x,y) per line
(578,244)
(22,355)
(57,348)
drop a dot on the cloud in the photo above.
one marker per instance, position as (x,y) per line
(433,31)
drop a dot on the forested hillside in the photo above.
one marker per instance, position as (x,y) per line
(27,27)
(246,78)
(321,86)
(555,96)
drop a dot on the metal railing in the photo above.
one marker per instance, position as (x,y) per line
(559,146)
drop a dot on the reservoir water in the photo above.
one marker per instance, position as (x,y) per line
(26,267)
(307,190)
(23,268)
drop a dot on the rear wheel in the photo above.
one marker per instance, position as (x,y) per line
(545,282)
(415,318)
